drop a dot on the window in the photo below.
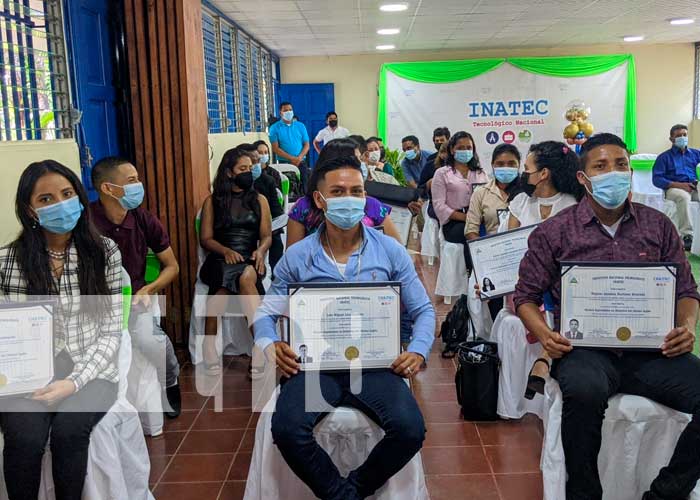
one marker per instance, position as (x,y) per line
(239,77)
(34,98)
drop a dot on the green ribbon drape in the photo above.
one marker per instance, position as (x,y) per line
(563,67)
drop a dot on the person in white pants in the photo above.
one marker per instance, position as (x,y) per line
(675,171)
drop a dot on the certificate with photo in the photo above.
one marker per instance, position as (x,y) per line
(337,326)
(403,219)
(26,347)
(496,261)
(619,306)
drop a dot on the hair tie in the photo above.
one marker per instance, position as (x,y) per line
(566,150)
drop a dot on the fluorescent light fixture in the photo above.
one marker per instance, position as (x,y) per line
(681,21)
(389,31)
(393,7)
(636,38)
(386,47)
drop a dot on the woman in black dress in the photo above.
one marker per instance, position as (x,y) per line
(237,232)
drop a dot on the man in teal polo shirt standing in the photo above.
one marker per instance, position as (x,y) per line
(290,140)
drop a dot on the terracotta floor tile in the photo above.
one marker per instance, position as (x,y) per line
(193,401)
(462,487)
(211,442)
(165,444)
(233,400)
(234,381)
(181,423)
(436,393)
(187,384)
(442,413)
(233,490)
(191,468)
(436,376)
(455,460)
(511,459)
(241,464)
(455,434)
(520,486)
(228,419)
(188,491)
(158,465)
(248,440)
(512,433)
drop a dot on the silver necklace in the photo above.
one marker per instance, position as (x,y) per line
(337,267)
(56,255)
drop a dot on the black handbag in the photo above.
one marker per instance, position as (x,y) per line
(477,379)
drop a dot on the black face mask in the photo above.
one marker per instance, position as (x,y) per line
(525,186)
(244,181)
(333,123)
(437,145)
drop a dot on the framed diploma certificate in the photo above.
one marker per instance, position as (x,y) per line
(496,260)
(617,306)
(26,347)
(403,218)
(337,326)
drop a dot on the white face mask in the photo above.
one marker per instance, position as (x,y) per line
(374,156)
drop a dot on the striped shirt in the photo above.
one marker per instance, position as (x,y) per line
(92,344)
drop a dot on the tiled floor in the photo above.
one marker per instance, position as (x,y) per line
(204,455)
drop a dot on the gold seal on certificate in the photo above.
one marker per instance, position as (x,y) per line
(496,261)
(336,326)
(624,334)
(617,306)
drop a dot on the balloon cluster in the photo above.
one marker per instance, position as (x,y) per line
(579,128)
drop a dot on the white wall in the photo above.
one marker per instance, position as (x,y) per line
(16,156)
(665,82)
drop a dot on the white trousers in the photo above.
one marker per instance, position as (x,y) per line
(682,200)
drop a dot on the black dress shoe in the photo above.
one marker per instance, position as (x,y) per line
(687,242)
(174,401)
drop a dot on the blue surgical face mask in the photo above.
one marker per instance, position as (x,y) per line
(133,195)
(411,154)
(681,142)
(345,212)
(464,155)
(256,171)
(264,159)
(288,116)
(60,218)
(363,167)
(505,175)
(612,189)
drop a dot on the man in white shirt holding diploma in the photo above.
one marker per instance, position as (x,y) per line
(607,227)
(343,250)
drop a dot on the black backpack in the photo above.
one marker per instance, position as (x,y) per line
(296,190)
(455,329)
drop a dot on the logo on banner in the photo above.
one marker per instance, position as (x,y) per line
(509,137)
(495,109)
(525,136)
(492,137)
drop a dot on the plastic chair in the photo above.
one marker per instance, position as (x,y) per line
(118,461)
(348,436)
(452,278)
(639,436)
(430,239)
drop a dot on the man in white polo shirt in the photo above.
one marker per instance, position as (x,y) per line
(332,131)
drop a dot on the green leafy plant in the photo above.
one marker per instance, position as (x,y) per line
(394,157)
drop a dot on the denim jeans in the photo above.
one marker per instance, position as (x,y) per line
(149,338)
(384,397)
(588,378)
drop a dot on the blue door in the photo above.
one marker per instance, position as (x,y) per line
(90,49)
(311,102)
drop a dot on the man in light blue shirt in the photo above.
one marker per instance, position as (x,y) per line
(415,160)
(675,171)
(290,140)
(343,250)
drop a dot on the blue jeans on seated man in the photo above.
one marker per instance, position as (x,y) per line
(384,397)
(588,378)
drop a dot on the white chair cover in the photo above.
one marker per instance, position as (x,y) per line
(452,278)
(348,436)
(118,462)
(430,239)
(517,357)
(639,437)
(233,333)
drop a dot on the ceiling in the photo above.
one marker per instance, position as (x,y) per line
(339,27)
